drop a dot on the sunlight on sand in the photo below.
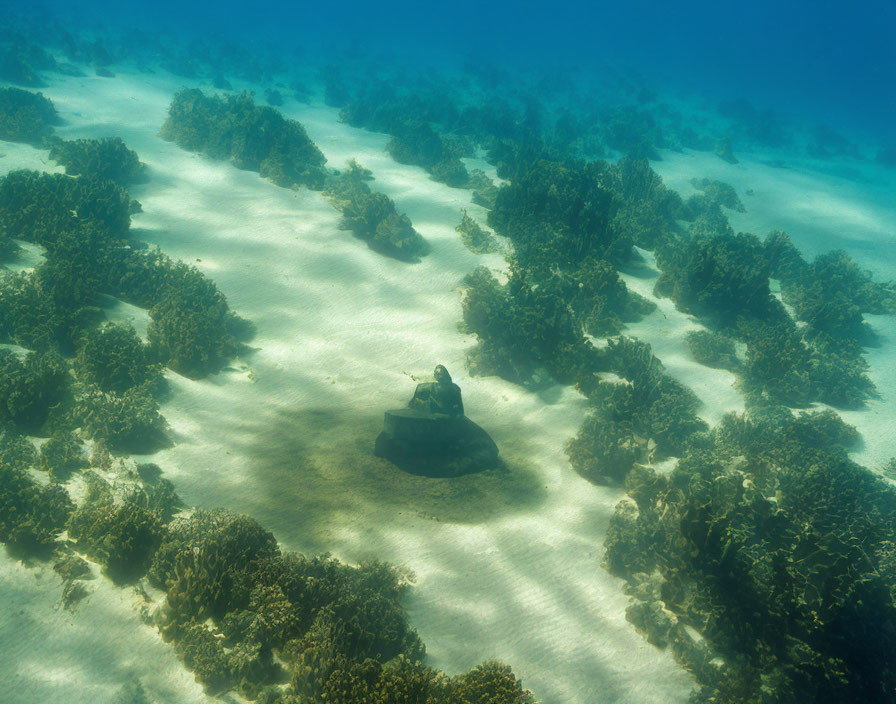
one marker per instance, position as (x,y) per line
(508,563)
(820,212)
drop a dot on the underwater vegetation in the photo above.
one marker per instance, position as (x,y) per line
(62,456)
(570,224)
(723,279)
(648,210)
(746,542)
(251,137)
(122,536)
(373,217)
(648,410)
(261,139)
(713,349)
(115,359)
(420,145)
(715,193)
(632,131)
(764,540)
(474,237)
(106,159)
(416,125)
(525,334)
(31,515)
(725,151)
(21,63)
(777,548)
(433,122)
(240,614)
(41,207)
(80,375)
(559,213)
(25,116)
(752,124)
(339,631)
(84,224)
(31,387)
(484,189)
(561,287)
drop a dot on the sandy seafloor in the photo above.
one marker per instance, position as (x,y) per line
(507,564)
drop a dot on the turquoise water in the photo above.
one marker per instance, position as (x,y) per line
(510,561)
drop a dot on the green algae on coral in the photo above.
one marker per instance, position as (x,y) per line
(252,137)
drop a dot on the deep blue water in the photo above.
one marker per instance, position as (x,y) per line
(820,61)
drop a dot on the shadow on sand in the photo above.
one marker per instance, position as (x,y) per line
(318,467)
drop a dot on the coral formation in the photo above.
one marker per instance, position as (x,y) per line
(26,117)
(31,516)
(327,621)
(115,359)
(84,222)
(373,217)
(122,537)
(713,349)
(751,542)
(474,237)
(62,455)
(105,159)
(252,137)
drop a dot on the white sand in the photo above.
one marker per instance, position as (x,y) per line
(507,566)
(665,329)
(286,433)
(53,655)
(14,156)
(22,156)
(822,206)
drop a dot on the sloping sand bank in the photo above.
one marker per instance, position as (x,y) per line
(822,205)
(507,563)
